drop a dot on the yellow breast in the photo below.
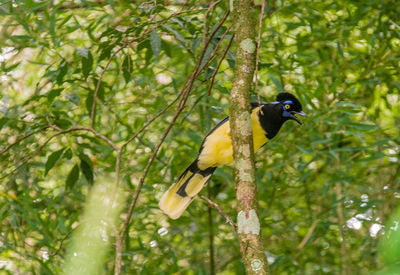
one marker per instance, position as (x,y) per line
(217,148)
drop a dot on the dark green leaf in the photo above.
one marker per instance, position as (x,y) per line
(155,43)
(177,34)
(87,170)
(3,121)
(87,61)
(53,94)
(52,159)
(63,123)
(127,68)
(68,154)
(72,178)
(73,98)
(62,71)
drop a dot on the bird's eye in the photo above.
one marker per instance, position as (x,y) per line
(287,106)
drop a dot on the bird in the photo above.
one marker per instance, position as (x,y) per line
(216,150)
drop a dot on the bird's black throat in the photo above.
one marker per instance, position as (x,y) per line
(271,119)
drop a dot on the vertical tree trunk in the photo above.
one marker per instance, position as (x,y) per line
(251,247)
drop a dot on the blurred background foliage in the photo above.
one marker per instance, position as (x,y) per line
(326,189)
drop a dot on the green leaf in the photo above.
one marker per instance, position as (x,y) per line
(63,123)
(87,170)
(52,159)
(87,61)
(127,68)
(207,55)
(89,102)
(155,43)
(68,154)
(363,127)
(12,67)
(53,94)
(3,121)
(196,43)
(72,178)
(177,34)
(277,83)
(73,98)
(62,71)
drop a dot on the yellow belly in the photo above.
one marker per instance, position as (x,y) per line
(217,148)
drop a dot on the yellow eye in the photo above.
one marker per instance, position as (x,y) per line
(287,106)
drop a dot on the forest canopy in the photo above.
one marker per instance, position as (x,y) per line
(108,101)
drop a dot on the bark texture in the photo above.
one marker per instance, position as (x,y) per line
(251,246)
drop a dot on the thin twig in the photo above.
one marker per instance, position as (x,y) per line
(198,69)
(73,129)
(150,121)
(205,29)
(211,233)
(93,109)
(2,4)
(118,260)
(21,139)
(258,49)
(185,94)
(62,242)
(308,235)
(55,127)
(219,43)
(219,64)
(117,171)
(215,205)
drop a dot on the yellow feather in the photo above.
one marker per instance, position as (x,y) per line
(170,201)
(174,204)
(217,149)
(196,184)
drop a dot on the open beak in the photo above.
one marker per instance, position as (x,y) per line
(292,116)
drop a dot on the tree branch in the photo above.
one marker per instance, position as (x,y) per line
(219,64)
(223,214)
(185,94)
(22,138)
(308,235)
(251,245)
(93,109)
(73,129)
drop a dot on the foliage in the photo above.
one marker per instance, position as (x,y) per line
(325,189)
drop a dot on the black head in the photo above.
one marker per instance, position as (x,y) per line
(290,106)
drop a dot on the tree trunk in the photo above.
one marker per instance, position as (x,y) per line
(251,247)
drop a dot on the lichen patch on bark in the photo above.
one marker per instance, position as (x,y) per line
(248,45)
(244,123)
(256,264)
(244,149)
(248,223)
(246,69)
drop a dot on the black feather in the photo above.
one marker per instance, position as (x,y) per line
(282,97)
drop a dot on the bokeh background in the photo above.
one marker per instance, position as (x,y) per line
(326,189)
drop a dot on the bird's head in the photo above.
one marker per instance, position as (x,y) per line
(290,106)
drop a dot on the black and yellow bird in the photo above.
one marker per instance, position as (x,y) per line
(216,150)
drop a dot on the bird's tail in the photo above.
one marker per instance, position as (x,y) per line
(182,192)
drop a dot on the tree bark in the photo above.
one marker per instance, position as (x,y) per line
(251,246)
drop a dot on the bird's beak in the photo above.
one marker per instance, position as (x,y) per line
(292,116)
